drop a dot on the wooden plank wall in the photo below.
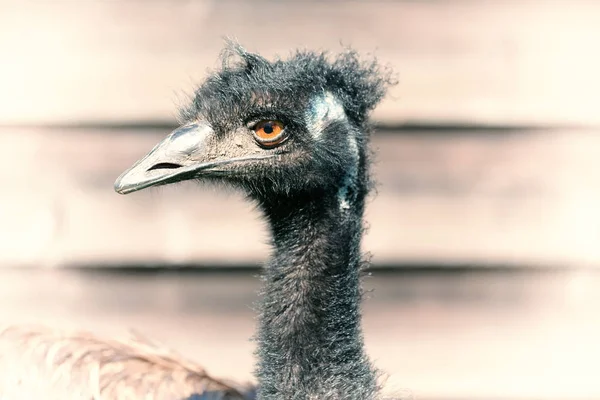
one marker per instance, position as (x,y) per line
(483,196)
(459,60)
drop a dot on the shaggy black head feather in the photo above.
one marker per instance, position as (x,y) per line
(249,88)
(249,85)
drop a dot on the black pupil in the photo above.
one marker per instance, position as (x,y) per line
(268,128)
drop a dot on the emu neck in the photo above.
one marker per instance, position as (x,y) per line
(310,340)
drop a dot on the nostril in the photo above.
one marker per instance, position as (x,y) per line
(164,166)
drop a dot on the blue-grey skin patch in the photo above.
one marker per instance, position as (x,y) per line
(324,110)
(344,193)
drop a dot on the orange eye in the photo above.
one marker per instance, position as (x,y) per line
(269,133)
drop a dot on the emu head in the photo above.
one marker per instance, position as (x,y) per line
(270,128)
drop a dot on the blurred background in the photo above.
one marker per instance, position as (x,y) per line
(485,229)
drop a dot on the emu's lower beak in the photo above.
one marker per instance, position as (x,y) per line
(177,157)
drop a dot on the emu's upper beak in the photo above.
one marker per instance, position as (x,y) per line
(176,157)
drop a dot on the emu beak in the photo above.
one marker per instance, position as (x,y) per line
(175,158)
(184,154)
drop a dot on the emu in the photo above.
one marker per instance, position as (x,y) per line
(293,135)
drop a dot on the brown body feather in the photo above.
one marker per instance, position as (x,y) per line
(43,363)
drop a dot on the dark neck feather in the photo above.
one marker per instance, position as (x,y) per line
(310,339)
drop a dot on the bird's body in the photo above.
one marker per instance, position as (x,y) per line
(50,364)
(293,135)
